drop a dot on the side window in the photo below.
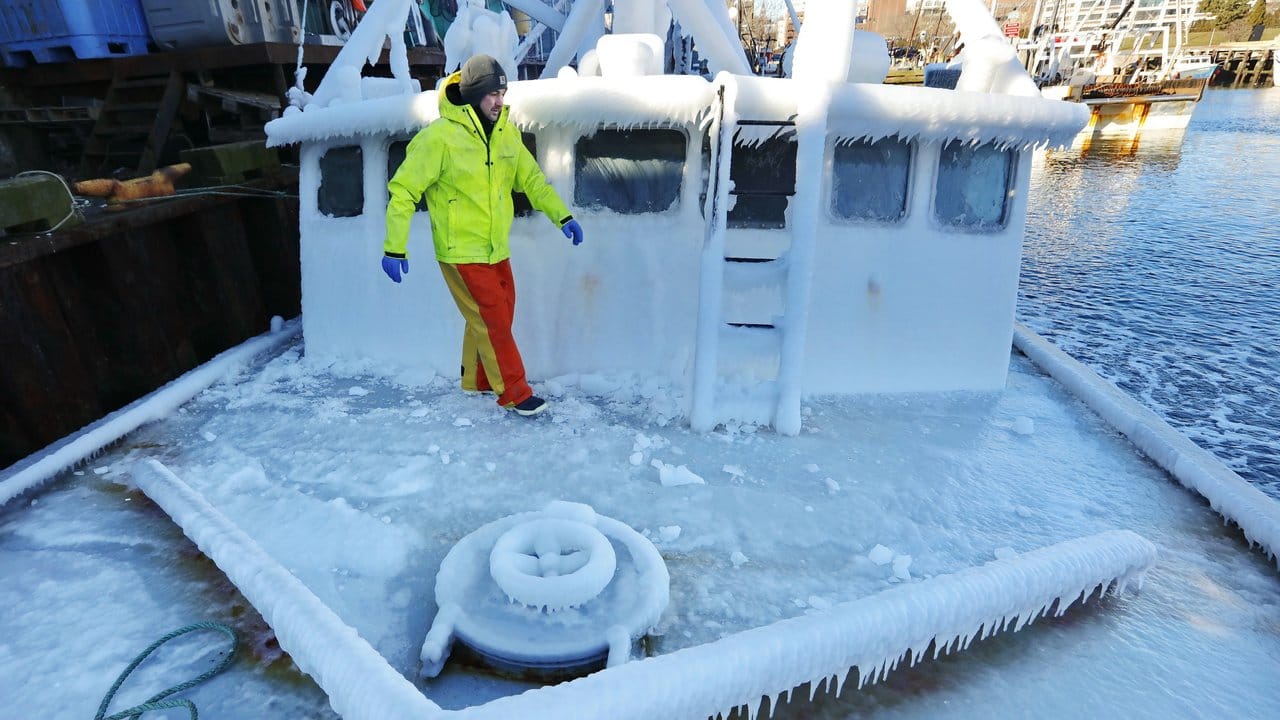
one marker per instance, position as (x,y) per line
(519,200)
(395,158)
(629,171)
(763,172)
(973,185)
(341,192)
(870,179)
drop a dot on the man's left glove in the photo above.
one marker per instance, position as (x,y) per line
(394,266)
(573,230)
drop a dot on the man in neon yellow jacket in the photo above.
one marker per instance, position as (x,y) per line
(467,163)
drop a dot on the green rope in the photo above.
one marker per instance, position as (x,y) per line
(157,702)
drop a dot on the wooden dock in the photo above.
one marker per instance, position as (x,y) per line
(1243,65)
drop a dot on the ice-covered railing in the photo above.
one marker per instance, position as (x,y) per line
(1257,515)
(359,682)
(873,634)
(42,465)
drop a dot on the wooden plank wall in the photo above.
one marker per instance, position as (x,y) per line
(97,316)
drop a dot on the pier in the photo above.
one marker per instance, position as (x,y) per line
(1243,65)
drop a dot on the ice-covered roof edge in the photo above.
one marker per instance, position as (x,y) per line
(857,110)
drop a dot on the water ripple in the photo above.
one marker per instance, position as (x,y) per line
(1159,266)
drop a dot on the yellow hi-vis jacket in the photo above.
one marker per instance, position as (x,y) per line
(467,179)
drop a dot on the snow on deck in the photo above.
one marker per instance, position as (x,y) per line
(359,486)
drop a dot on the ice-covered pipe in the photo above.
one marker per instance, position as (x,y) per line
(38,467)
(990,63)
(383,21)
(715,37)
(359,682)
(540,11)
(582,18)
(824,46)
(1257,515)
(872,634)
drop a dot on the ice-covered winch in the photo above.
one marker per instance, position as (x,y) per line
(553,593)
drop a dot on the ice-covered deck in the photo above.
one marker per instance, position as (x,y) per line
(359,487)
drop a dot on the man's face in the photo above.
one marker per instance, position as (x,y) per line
(491,104)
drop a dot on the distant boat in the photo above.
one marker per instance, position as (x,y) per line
(1193,67)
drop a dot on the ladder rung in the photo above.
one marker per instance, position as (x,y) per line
(749,341)
(754,403)
(742,274)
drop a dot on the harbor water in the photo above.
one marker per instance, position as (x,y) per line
(1157,263)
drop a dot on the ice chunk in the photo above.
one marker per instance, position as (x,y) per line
(738,559)
(357,391)
(669,533)
(1005,553)
(671,475)
(901,565)
(461,422)
(1024,425)
(880,555)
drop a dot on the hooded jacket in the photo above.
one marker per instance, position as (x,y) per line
(467,179)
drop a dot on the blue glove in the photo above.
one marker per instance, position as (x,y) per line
(394,266)
(573,230)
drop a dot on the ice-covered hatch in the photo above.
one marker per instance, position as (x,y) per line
(553,593)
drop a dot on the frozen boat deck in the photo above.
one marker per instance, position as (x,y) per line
(359,487)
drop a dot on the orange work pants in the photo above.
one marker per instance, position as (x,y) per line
(486,297)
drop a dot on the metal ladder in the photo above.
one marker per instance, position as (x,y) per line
(716,399)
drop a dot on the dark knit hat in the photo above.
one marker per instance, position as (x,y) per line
(481,75)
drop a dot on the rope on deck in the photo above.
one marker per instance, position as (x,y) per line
(158,701)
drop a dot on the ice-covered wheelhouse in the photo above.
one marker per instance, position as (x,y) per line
(749,239)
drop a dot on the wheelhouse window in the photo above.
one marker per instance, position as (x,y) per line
(341,192)
(870,179)
(629,171)
(395,158)
(974,183)
(763,171)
